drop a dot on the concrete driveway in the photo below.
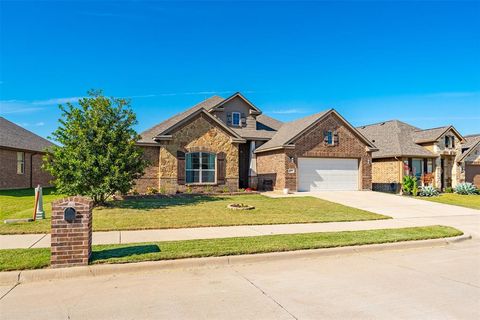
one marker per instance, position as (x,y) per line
(406,209)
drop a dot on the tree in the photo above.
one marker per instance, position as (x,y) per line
(97,155)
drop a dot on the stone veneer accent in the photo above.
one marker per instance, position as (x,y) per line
(200,134)
(71,242)
(310,144)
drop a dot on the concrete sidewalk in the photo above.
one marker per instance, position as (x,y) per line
(406,212)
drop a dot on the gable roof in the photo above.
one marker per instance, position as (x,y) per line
(433,134)
(394,139)
(472,142)
(289,131)
(148,135)
(233,96)
(16,137)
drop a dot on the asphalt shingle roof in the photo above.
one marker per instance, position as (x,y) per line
(148,135)
(428,135)
(289,130)
(14,136)
(394,139)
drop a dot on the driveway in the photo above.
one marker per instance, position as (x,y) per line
(406,209)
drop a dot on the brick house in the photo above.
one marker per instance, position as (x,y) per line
(468,160)
(430,154)
(21,153)
(230,144)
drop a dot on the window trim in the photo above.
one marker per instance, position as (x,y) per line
(21,162)
(330,138)
(200,170)
(239,119)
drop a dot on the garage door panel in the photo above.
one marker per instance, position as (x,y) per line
(316,174)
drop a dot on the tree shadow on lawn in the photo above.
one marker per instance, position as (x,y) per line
(162,202)
(106,254)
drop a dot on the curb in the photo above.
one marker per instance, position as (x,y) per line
(25,276)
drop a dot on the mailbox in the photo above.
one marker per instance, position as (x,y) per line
(69,214)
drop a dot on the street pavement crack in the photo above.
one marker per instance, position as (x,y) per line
(266,294)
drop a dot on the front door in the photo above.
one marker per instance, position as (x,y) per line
(243,164)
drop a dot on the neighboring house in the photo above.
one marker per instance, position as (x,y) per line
(407,150)
(229,144)
(21,153)
(468,160)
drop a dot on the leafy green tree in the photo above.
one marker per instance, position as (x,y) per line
(97,155)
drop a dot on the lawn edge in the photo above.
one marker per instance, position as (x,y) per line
(27,276)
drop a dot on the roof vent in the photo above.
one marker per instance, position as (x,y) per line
(382,123)
(373,141)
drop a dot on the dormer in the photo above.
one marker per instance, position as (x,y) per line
(237,112)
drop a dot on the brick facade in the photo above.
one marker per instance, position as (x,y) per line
(32,176)
(311,144)
(387,175)
(200,134)
(71,242)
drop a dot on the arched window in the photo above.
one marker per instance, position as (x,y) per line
(200,167)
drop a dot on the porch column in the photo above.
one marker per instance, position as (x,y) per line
(252,170)
(438,173)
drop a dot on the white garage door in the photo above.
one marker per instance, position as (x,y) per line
(318,174)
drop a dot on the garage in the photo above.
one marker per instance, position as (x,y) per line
(322,174)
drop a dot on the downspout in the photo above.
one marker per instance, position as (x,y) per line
(400,171)
(31,169)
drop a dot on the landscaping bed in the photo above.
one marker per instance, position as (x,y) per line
(195,211)
(20,259)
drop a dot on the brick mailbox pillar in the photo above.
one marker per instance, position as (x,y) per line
(71,232)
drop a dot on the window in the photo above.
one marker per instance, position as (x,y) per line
(449,142)
(330,138)
(20,162)
(417,167)
(236,119)
(429,165)
(200,167)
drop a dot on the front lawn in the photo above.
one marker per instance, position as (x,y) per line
(197,211)
(19,259)
(469,201)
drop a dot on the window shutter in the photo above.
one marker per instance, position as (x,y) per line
(335,138)
(453,142)
(229,118)
(221,168)
(244,119)
(425,166)
(325,136)
(410,166)
(180,167)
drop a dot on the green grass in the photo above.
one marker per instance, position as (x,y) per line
(469,201)
(18,259)
(189,211)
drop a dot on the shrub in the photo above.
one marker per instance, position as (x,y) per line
(225,189)
(427,178)
(134,192)
(151,190)
(409,185)
(188,189)
(448,190)
(163,190)
(209,189)
(466,188)
(429,191)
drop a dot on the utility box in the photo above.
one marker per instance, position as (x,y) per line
(71,234)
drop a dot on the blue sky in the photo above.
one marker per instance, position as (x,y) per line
(372,61)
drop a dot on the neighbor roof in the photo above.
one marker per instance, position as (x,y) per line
(395,139)
(472,142)
(16,137)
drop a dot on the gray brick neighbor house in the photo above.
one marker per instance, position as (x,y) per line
(230,144)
